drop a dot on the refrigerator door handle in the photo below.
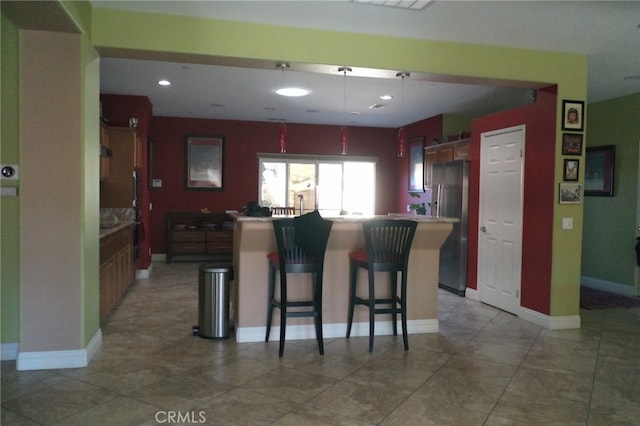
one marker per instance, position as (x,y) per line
(439,199)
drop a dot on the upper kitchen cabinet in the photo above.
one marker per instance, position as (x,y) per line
(118,190)
(458,150)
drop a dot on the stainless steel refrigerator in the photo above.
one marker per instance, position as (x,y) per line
(450,192)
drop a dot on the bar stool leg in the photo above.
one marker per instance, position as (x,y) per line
(403,300)
(353,278)
(317,300)
(394,301)
(272,285)
(372,308)
(283,311)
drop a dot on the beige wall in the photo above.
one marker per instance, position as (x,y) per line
(51,192)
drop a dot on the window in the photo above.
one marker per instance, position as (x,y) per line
(330,184)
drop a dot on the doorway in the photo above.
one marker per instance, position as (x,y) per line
(500,217)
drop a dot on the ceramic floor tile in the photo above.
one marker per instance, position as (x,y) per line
(121,411)
(483,367)
(360,401)
(246,407)
(522,409)
(289,384)
(417,411)
(64,398)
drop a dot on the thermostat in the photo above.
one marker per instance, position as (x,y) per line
(9,171)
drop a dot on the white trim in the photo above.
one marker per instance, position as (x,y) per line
(9,351)
(610,286)
(159,257)
(143,273)
(549,322)
(471,293)
(47,360)
(307,331)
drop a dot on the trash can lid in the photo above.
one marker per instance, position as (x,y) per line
(217,267)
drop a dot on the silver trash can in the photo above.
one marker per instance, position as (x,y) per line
(213,301)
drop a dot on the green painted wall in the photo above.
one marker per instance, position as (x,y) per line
(189,38)
(610,222)
(9,206)
(453,124)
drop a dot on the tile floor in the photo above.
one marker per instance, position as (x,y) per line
(485,367)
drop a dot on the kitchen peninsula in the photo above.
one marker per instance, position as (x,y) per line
(254,238)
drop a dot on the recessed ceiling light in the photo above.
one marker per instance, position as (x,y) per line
(386,97)
(292,91)
(376,106)
(164,83)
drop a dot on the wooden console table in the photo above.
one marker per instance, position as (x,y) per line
(199,236)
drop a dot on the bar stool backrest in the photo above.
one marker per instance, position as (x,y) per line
(388,242)
(291,253)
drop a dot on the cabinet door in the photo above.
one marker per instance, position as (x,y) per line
(117,191)
(445,153)
(461,150)
(430,158)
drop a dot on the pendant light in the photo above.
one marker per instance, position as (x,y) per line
(344,138)
(282,137)
(402,142)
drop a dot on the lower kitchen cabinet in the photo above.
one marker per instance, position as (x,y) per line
(117,270)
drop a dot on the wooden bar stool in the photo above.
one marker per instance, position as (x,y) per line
(387,242)
(301,242)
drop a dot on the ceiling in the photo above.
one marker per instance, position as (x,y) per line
(607,31)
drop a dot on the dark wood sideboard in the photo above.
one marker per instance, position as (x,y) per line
(193,237)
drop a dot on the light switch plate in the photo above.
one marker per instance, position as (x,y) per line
(156,183)
(567,223)
(9,191)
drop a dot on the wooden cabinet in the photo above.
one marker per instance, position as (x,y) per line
(117,270)
(118,189)
(459,150)
(199,236)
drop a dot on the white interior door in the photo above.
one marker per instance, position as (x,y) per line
(500,218)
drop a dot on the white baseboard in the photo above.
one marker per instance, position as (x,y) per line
(159,257)
(143,274)
(46,360)
(471,293)
(549,322)
(308,331)
(9,351)
(610,286)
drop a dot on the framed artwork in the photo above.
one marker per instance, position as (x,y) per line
(572,144)
(571,168)
(599,172)
(204,162)
(416,165)
(572,115)
(570,193)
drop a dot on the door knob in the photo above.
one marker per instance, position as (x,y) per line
(483,228)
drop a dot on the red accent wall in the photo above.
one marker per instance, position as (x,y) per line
(243,140)
(116,111)
(539,202)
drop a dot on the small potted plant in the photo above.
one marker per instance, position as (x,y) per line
(420,208)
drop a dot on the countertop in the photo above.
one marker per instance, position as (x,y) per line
(358,218)
(113,229)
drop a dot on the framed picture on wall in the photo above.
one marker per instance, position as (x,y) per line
(572,144)
(204,162)
(570,193)
(599,172)
(572,115)
(416,165)
(571,168)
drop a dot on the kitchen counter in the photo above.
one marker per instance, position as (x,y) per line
(105,231)
(254,239)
